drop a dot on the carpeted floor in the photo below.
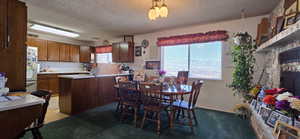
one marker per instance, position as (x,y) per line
(103,123)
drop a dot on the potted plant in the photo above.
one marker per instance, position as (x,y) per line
(243,60)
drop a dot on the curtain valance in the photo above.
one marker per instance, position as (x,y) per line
(193,38)
(103,49)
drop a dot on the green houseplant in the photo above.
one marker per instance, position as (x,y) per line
(243,60)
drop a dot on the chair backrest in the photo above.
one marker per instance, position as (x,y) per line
(182,77)
(196,87)
(120,78)
(128,91)
(151,94)
(46,95)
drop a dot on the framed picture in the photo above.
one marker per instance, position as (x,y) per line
(139,75)
(289,20)
(285,131)
(258,105)
(138,51)
(152,65)
(264,112)
(279,24)
(285,119)
(272,119)
(253,104)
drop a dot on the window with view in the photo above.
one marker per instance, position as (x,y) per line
(202,60)
(104,58)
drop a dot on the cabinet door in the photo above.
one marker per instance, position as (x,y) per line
(115,52)
(85,54)
(108,92)
(42,82)
(53,84)
(126,51)
(64,53)
(53,50)
(13,58)
(3,24)
(41,45)
(74,53)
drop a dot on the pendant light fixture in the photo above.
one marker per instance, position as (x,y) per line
(158,9)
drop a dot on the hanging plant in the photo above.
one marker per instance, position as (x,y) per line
(243,60)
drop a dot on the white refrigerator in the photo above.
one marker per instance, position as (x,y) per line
(32,68)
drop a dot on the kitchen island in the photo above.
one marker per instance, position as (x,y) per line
(79,93)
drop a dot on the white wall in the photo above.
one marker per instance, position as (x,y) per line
(215,93)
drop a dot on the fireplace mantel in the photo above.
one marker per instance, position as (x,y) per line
(291,34)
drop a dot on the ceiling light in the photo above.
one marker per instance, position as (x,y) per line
(158,9)
(164,11)
(54,30)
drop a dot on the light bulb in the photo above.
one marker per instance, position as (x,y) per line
(164,11)
(152,14)
(157,11)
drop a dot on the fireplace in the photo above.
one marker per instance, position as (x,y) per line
(290,70)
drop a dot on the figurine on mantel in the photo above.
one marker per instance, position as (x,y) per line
(3,90)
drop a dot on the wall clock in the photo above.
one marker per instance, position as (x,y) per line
(145,43)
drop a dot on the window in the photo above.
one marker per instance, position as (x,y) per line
(202,60)
(104,58)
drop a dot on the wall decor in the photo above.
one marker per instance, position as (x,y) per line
(145,43)
(139,75)
(138,51)
(152,65)
(264,112)
(263,31)
(279,24)
(289,20)
(278,116)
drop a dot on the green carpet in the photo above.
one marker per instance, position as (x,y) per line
(103,123)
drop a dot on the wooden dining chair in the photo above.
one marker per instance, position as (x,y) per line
(152,99)
(129,99)
(39,122)
(182,106)
(182,77)
(117,80)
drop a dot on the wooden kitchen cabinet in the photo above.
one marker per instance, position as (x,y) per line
(42,83)
(41,45)
(123,52)
(53,84)
(74,53)
(48,82)
(85,54)
(13,32)
(53,50)
(64,53)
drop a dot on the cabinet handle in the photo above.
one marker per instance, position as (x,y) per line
(8,41)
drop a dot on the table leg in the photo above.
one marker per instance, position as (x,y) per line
(171,112)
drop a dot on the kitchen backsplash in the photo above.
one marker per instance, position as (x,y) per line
(60,66)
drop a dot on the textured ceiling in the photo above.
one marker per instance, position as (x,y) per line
(110,18)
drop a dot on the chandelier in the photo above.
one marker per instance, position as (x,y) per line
(158,10)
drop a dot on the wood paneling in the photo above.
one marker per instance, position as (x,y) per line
(13,58)
(41,45)
(74,53)
(85,54)
(53,50)
(79,95)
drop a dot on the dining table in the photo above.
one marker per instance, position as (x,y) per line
(172,91)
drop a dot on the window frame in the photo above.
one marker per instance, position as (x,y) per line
(96,58)
(162,50)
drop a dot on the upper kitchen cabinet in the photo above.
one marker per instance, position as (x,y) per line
(74,53)
(64,53)
(53,50)
(41,45)
(123,52)
(13,32)
(85,54)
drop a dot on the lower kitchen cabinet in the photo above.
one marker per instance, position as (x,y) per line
(49,83)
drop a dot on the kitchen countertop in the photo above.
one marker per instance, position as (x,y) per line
(62,72)
(25,101)
(90,76)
